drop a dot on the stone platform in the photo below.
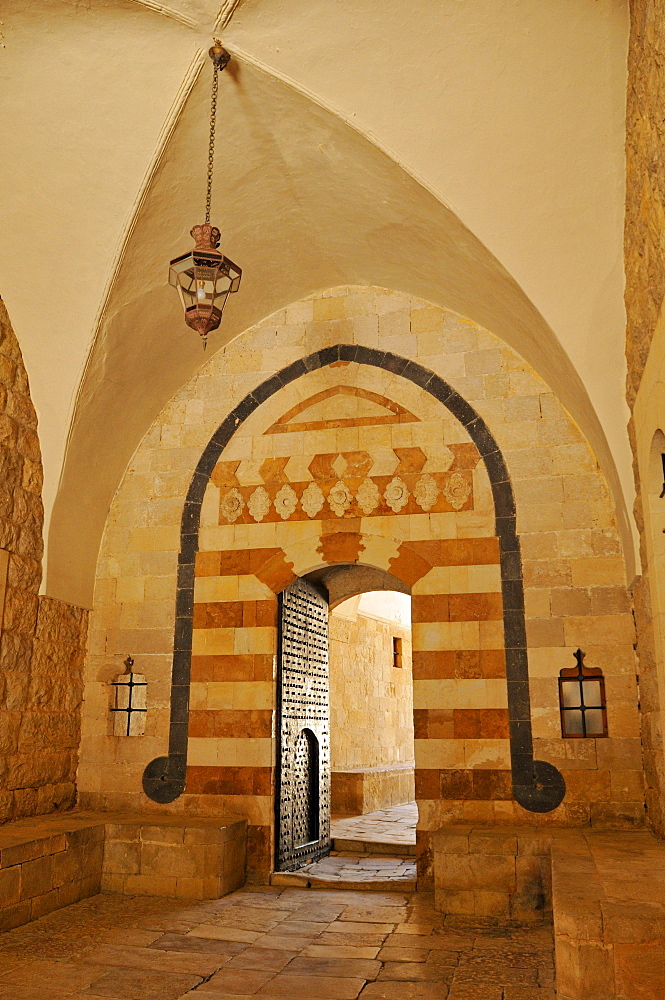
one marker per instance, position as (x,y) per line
(365,871)
(609,916)
(358,791)
(391,829)
(604,891)
(51,861)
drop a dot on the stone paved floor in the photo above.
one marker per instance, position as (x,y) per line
(393,826)
(270,943)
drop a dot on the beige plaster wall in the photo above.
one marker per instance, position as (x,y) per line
(573,568)
(468,153)
(42,641)
(371,701)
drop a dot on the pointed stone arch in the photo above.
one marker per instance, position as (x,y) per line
(536,785)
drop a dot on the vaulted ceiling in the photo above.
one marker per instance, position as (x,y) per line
(466,152)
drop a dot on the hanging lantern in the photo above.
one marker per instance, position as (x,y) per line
(204,277)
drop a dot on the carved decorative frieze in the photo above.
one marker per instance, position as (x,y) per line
(457,490)
(259,503)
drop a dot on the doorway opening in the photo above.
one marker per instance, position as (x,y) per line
(371,718)
(346,808)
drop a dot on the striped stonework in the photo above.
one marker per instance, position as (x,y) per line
(362,427)
(342,490)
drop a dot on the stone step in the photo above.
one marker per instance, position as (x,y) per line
(303,881)
(373,847)
(364,871)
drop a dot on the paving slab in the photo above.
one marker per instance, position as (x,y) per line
(270,943)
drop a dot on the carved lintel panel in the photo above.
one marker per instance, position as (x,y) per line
(303,799)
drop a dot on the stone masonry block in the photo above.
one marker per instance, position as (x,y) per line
(619,754)
(453,840)
(17,854)
(10,886)
(533,896)
(122,831)
(150,885)
(122,858)
(205,835)
(93,856)
(491,904)
(581,920)
(162,834)
(165,860)
(633,923)
(36,877)
(68,866)
(584,969)
(486,872)
(457,901)
(493,842)
(534,842)
(70,893)
(46,903)
(639,971)
(113,883)
(14,916)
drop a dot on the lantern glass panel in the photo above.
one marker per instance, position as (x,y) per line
(572,721)
(591,691)
(571,694)
(582,700)
(593,718)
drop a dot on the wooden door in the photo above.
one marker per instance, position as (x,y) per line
(303,760)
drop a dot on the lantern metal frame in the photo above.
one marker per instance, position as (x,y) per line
(204,277)
(576,677)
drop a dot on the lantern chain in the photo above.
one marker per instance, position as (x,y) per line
(211,142)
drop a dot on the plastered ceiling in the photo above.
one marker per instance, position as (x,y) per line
(466,151)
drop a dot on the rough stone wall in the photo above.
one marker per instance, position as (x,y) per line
(371,701)
(42,647)
(650,706)
(645,289)
(645,181)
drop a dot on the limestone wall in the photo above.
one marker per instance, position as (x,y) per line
(645,183)
(645,352)
(648,425)
(43,641)
(371,701)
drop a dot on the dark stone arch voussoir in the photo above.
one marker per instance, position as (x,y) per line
(537,785)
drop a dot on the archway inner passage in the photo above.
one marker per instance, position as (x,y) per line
(371,714)
(346,810)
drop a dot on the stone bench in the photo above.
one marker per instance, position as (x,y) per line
(609,916)
(495,873)
(604,891)
(52,861)
(357,791)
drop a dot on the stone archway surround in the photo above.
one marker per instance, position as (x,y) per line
(537,785)
(543,571)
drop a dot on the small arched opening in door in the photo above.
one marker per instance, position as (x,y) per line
(306,781)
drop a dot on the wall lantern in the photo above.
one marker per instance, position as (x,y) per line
(130,704)
(582,700)
(204,277)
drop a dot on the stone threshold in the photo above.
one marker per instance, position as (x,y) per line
(295,880)
(395,849)
(364,872)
